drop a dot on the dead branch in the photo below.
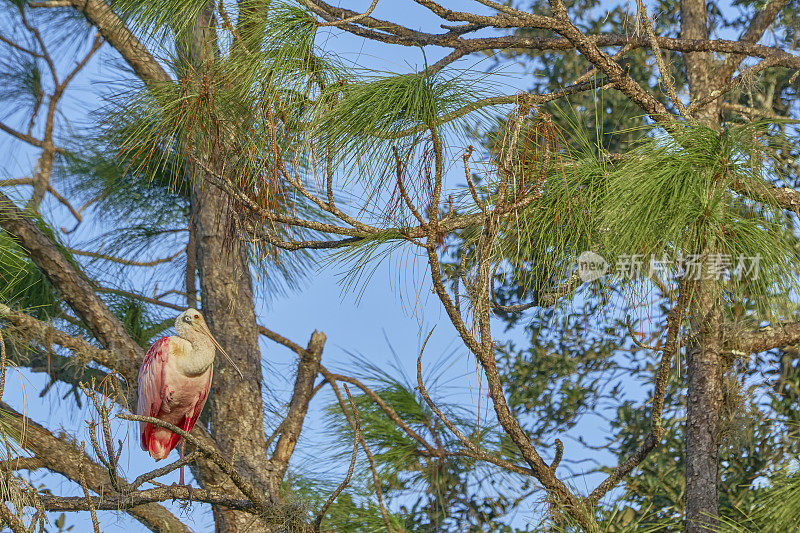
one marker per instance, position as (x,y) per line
(78,293)
(670,348)
(128,262)
(663,68)
(307,369)
(332,498)
(365,447)
(88,499)
(474,450)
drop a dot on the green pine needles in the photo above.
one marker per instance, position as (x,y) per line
(271,112)
(681,197)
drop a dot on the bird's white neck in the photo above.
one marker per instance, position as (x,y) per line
(198,354)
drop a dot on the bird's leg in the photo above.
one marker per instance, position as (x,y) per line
(182,450)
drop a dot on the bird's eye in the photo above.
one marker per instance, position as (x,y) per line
(197,316)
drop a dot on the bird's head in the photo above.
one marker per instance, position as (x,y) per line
(191,324)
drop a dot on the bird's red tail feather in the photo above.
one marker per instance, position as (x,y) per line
(159,441)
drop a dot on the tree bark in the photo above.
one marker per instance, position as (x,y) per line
(704,361)
(235,405)
(191,268)
(705,370)
(74,288)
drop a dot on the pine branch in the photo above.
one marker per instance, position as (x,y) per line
(116,32)
(46,334)
(766,338)
(128,262)
(72,284)
(256,496)
(24,137)
(396,34)
(754,32)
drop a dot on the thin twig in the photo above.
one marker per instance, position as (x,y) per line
(475,451)
(663,68)
(352,19)
(86,494)
(356,426)
(3,362)
(250,491)
(129,262)
(635,340)
(375,479)
(164,470)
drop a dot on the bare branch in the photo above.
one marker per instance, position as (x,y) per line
(757,27)
(357,432)
(663,68)
(62,455)
(354,18)
(307,369)
(474,450)
(88,499)
(370,457)
(129,262)
(131,502)
(670,349)
(33,141)
(766,338)
(118,35)
(46,333)
(141,297)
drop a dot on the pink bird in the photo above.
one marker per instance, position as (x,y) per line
(174,381)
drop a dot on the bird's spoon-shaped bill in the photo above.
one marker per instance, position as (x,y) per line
(204,329)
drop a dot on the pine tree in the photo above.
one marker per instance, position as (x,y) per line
(241,143)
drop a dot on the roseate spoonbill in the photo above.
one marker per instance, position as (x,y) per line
(174,381)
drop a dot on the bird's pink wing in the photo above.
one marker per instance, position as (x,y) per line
(151,384)
(191,419)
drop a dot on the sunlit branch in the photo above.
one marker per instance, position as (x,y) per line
(396,34)
(46,333)
(354,18)
(669,350)
(473,449)
(754,32)
(744,75)
(62,455)
(126,502)
(307,369)
(365,447)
